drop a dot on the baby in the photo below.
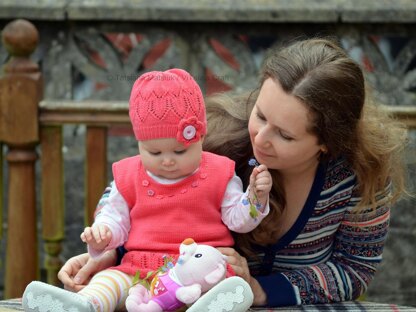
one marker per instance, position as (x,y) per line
(170,191)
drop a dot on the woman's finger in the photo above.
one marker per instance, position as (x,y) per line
(227,251)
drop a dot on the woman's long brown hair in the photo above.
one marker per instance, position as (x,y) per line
(332,87)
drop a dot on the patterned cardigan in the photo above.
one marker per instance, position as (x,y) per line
(331,253)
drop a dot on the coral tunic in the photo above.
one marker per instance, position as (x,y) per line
(163,215)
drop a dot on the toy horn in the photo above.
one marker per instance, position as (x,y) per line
(186,250)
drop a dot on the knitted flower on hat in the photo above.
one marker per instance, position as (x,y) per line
(167,104)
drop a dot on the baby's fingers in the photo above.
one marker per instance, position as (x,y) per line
(97,232)
(256,171)
(87,235)
(261,168)
(83,238)
(263,177)
(103,232)
(261,187)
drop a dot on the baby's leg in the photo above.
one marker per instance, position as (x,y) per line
(42,297)
(108,289)
(106,292)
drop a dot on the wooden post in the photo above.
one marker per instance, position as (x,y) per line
(52,193)
(96,169)
(20,93)
(1,191)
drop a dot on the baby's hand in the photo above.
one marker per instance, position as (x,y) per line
(261,182)
(97,237)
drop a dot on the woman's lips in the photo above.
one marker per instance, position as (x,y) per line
(261,154)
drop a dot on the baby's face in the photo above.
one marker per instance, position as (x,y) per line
(170,159)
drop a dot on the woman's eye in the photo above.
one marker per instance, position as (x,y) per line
(285,136)
(261,117)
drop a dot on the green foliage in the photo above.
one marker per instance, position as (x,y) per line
(168,263)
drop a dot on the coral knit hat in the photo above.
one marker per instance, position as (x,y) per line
(167,104)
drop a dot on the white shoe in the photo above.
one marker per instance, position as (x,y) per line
(42,297)
(232,294)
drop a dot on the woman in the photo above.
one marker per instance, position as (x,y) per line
(336,163)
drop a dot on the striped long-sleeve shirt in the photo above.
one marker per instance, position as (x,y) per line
(330,253)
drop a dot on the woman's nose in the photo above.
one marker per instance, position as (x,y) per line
(262,136)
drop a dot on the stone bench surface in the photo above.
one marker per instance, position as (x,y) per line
(270,11)
(352,306)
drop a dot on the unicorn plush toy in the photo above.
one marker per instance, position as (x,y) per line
(198,269)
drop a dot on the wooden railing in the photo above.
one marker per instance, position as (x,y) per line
(20,93)
(28,122)
(97,117)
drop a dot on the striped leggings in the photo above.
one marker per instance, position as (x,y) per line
(108,290)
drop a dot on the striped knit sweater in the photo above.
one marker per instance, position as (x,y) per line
(329,254)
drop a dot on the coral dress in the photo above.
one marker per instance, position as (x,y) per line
(163,215)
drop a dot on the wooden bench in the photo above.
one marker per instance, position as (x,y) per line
(353,306)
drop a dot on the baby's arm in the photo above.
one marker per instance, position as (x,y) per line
(237,206)
(113,215)
(260,185)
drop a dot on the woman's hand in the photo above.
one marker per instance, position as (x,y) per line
(237,262)
(77,271)
(240,267)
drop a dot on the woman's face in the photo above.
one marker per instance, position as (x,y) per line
(278,131)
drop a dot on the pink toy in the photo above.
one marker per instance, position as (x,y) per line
(198,269)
